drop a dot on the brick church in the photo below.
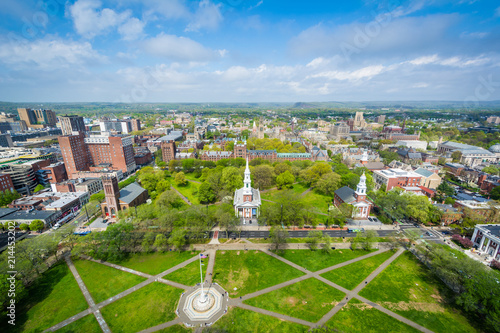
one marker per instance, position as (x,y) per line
(356,198)
(130,196)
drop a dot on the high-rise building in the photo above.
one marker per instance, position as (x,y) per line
(97,153)
(70,124)
(136,124)
(380,119)
(168,150)
(6,140)
(74,153)
(37,118)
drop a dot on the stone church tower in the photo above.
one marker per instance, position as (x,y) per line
(112,195)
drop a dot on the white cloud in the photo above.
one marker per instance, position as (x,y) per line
(362,73)
(91,21)
(132,29)
(50,54)
(170,9)
(424,60)
(180,49)
(207,16)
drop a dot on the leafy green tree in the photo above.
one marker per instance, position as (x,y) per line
(180,179)
(456,156)
(313,173)
(328,183)
(226,218)
(278,236)
(24,227)
(285,180)
(231,178)
(205,193)
(495,193)
(282,167)
(168,200)
(262,176)
(327,244)
(162,186)
(147,241)
(491,170)
(314,238)
(370,237)
(445,189)
(160,242)
(177,238)
(37,225)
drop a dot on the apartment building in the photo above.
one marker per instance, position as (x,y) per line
(391,178)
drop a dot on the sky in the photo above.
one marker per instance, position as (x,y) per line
(205,51)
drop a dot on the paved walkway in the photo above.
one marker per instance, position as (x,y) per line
(306,191)
(94,308)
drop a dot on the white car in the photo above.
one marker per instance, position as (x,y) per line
(55,227)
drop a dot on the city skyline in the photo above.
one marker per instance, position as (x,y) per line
(249,51)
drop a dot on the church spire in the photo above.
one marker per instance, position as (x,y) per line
(361,188)
(247,182)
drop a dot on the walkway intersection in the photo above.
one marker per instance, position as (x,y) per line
(235,302)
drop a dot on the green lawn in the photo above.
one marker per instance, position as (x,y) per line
(249,271)
(310,300)
(411,290)
(289,240)
(316,260)
(175,329)
(189,191)
(238,320)
(190,176)
(87,324)
(54,297)
(352,275)
(356,316)
(320,201)
(149,306)
(103,281)
(188,275)
(155,263)
(271,195)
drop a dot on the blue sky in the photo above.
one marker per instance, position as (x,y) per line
(249,50)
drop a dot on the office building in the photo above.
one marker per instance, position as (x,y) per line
(37,118)
(70,124)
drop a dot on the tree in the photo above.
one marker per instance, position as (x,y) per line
(205,193)
(495,193)
(313,238)
(456,156)
(441,161)
(147,241)
(39,187)
(282,167)
(262,176)
(279,236)
(160,242)
(327,244)
(177,238)
(285,180)
(169,199)
(491,169)
(24,227)
(328,183)
(231,178)
(370,237)
(445,189)
(37,225)
(313,173)
(226,218)
(180,179)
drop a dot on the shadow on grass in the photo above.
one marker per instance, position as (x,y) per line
(36,293)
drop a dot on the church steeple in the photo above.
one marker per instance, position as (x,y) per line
(361,188)
(247,182)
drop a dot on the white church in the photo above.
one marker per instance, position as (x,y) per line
(247,199)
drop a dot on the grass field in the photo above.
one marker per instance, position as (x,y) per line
(87,324)
(190,176)
(175,329)
(249,271)
(149,306)
(155,263)
(189,191)
(360,317)
(103,281)
(271,195)
(310,300)
(411,290)
(352,275)
(316,260)
(289,240)
(322,202)
(238,320)
(188,275)
(54,297)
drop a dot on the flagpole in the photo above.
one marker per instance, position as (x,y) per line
(201,279)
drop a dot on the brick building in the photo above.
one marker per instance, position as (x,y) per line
(168,150)
(56,172)
(391,178)
(132,195)
(357,199)
(6,183)
(97,153)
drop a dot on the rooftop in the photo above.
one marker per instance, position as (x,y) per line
(130,192)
